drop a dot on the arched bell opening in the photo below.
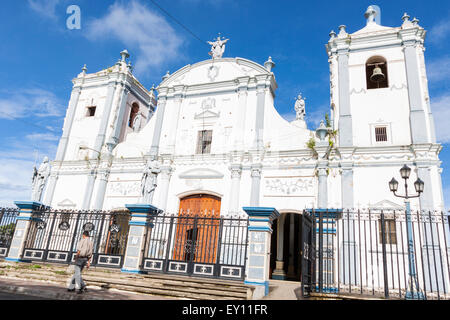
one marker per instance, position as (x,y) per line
(377,73)
(285,257)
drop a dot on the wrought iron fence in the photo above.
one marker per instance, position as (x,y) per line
(54,234)
(200,244)
(383,253)
(8,220)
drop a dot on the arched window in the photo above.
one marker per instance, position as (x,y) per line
(134,111)
(377,73)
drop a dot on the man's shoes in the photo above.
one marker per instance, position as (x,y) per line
(83,288)
(71,290)
(80,291)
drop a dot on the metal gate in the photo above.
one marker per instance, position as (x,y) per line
(54,234)
(8,220)
(308,253)
(198,245)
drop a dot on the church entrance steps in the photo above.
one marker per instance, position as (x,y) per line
(168,286)
(284,290)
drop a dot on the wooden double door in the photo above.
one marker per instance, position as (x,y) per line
(198,229)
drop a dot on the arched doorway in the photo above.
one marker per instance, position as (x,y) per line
(200,204)
(197,229)
(285,257)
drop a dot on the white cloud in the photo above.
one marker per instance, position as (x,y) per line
(141,30)
(29,102)
(441,113)
(439,32)
(15,181)
(46,8)
(437,70)
(42,137)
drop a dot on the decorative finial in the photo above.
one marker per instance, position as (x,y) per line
(405,17)
(332,35)
(269,64)
(342,32)
(415,21)
(321,132)
(370,15)
(84,69)
(124,54)
(129,66)
(166,75)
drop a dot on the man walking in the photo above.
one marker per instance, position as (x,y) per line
(82,259)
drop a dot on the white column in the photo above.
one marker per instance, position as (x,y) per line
(166,173)
(239,128)
(62,146)
(291,269)
(160,110)
(236,171)
(176,108)
(88,190)
(100,139)
(49,192)
(279,272)
(255,187)
(120,115)
(345,117)
(418,121)
(103,176)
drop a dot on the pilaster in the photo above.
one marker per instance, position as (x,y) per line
(142,216)
(26,209)
(259,233)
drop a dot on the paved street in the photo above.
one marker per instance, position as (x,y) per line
(16,296)
(16,289)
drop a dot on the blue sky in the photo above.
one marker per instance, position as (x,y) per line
(41,55)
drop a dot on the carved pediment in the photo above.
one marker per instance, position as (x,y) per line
(201,173)
(386,204)
(66,203)
(208,114)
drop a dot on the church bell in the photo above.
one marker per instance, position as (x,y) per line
(377,75)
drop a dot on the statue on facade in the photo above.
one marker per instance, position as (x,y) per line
(137,122)
(217,47)
(148,181)
(300,108)
(39,179)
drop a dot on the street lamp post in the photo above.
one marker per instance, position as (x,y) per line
(405,171)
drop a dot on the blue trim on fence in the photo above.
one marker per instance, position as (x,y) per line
(28,204)
(140,223)
(259,229)
(262,220)
(265,284)
(326,230)
(131,271)
(13,259)
(328,289)
(24,218)
(139,215)
(142,208)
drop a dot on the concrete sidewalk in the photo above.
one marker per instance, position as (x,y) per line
(47,290)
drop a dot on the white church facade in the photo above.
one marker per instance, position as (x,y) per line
(213,128)
(208,139)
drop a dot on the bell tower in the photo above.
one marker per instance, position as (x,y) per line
(380,100)
(379,89)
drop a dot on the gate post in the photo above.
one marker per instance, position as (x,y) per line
(26,209)
(141,221)
(259,233)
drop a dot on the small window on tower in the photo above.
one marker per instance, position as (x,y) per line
(377,73)
(90,112)
(204,141)
(381,134)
